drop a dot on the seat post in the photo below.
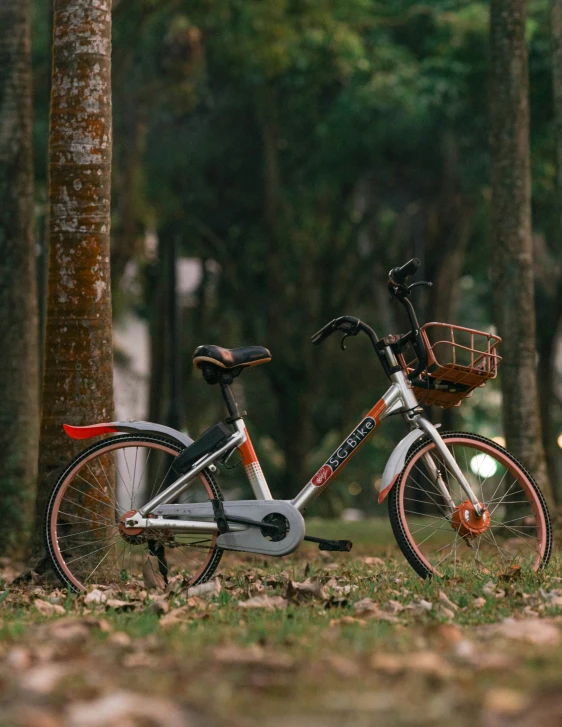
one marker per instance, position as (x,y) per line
(231,404)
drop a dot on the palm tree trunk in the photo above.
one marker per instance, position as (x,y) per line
(78,372)
(512,240)
(19,364)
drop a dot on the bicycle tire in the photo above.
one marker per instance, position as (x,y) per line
(111,445)
(401,530)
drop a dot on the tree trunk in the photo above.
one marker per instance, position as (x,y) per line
(512,240)
(19,364)
(550,332)
(78,373)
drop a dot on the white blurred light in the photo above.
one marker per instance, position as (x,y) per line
(560,441)
(483,465)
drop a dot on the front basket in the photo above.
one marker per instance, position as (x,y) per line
(458,360)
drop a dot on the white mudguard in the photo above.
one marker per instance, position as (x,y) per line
(396,461)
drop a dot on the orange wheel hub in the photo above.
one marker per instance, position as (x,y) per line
(466,522)
(124,530)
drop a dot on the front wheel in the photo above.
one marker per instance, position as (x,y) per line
(85,531)
(443,539)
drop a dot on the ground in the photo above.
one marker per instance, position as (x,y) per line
(315,640)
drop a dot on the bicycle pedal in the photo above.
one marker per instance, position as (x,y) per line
(343,545)
(323,544)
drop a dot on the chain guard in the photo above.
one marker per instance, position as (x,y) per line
(250,539)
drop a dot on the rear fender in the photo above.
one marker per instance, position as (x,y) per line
(133,427)
(396,461)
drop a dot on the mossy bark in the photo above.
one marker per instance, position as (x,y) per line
(78,370)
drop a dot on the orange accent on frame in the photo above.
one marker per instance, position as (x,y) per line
(247,451)
(377,410)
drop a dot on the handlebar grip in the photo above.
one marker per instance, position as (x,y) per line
(347,324)
(399,275)
(323,333)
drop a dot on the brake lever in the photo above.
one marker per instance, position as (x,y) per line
(420,282)
(342,342)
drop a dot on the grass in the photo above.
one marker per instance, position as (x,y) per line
(425,653)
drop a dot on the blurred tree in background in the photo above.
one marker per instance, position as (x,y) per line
(298,149)
(19,362)
(513,279)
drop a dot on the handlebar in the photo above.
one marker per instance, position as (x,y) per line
(351,326)
(348,324)
(398,276)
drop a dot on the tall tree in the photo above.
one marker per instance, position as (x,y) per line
(513,281)
(549,312)
(78,371)
(19,377)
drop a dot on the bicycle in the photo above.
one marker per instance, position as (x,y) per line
(147,496)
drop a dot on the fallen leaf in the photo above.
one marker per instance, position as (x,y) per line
(388,663)
(446,601)
(95,597)
(253,654)
(174,617)
(121,707)
(212,588)
(427,663)
(379,562)
(533,631)
(346,620)
(342,665)
(48,609)
(505,701)
(307,591)
(367,608)
(42,679)
(119,605)
(268,602)
(119,638)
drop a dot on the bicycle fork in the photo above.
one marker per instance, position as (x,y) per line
(451,464)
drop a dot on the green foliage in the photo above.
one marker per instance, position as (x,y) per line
(306,146)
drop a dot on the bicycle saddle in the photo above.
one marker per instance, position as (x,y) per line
(230,358)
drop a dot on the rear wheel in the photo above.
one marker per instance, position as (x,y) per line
(515,530)
(86,536)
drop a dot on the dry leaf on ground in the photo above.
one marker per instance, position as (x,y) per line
(125,708)
(48,609)
(533,631)
(307,591)
(268,602)
(253,654)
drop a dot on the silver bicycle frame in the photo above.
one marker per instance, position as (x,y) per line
(398,399)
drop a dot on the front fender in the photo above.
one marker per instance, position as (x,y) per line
(395,463)
(133,427)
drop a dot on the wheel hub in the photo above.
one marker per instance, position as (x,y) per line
(131,535)
(467,523)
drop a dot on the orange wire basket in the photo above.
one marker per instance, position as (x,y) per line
(458,361)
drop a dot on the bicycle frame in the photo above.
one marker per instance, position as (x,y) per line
(399,398)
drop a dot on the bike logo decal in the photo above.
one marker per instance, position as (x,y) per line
(357,436)
(323,474)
